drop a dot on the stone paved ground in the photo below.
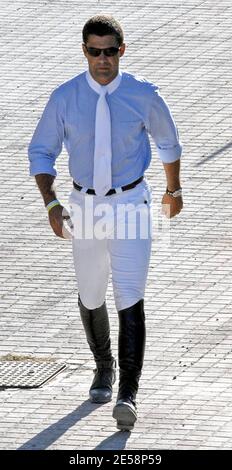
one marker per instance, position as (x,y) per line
(185,397)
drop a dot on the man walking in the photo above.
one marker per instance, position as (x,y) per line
(103,116)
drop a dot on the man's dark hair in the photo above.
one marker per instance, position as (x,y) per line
(101,25)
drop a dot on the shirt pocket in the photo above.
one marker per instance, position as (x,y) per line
(129,134)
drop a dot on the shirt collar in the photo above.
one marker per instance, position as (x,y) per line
(112,86)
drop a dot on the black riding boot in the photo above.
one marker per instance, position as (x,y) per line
(131,345)
(97,330)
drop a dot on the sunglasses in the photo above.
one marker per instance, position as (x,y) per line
(108,51)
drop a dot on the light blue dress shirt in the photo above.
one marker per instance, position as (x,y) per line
(136,109)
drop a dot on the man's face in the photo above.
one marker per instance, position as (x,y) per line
(103,69)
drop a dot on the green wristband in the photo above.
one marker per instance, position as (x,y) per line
(52,204)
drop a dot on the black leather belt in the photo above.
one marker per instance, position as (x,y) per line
(111,191)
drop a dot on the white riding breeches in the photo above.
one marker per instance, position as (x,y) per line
(112,233)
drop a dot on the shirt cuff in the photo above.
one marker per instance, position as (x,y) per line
(170,154)
(36,168)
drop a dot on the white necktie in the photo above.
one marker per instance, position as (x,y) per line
(102,173)
(102,177)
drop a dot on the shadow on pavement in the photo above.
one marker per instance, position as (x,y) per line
(214,154)
(115,442)
(49,435)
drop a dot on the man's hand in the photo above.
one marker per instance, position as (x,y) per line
(57,215)
(171,206)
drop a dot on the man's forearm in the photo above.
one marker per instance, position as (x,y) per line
(172,171)
(45,183)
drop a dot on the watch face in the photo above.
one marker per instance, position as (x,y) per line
(177,193)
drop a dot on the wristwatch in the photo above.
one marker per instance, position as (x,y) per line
(176,193)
